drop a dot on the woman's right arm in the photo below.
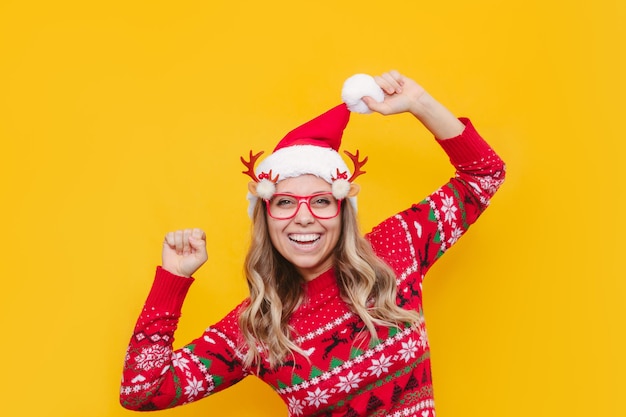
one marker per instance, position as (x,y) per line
(155,376)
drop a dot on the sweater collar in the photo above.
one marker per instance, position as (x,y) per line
(321,282)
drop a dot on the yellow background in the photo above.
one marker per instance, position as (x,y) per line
(121,120)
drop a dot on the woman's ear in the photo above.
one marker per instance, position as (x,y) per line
(354,190)
(252,188)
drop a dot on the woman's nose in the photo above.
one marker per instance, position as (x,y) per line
(303,214)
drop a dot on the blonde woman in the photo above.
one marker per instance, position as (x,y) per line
(333,322)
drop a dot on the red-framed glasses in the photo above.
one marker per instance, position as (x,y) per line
(286,206)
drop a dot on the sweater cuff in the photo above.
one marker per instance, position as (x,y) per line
(467,147)
(168,291)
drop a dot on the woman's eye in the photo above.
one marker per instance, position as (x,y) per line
(284,202)
(321,201)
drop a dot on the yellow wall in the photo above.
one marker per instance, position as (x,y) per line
(121,120)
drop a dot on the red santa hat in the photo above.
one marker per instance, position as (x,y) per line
(313,148)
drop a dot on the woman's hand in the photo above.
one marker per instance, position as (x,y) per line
(184,251)
(402,94)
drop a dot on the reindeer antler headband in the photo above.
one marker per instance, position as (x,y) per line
(312,148)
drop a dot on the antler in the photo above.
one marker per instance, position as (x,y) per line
(250,165)
(357,164)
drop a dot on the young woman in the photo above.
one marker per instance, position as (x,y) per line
(334,319)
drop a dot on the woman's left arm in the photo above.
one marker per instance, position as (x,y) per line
(429,228)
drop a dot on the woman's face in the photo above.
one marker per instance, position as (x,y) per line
(304,240)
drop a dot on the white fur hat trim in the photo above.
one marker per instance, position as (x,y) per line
(298,160)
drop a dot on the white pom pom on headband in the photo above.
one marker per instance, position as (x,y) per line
(312,148)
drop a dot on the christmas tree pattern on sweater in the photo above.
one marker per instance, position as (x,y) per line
(345,373)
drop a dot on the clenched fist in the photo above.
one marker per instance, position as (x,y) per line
(184,251)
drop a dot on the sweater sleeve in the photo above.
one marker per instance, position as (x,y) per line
(155,376)
(411,241)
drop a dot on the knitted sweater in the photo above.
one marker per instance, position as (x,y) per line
(346,373)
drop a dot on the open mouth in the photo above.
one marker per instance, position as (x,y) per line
(307,239)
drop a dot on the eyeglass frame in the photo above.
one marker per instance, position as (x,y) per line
(303,199)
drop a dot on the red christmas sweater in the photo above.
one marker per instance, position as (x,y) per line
(346,374)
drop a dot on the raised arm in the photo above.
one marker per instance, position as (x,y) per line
(157,376)
(427,229)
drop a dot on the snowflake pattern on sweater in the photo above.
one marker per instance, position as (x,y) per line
(345,373)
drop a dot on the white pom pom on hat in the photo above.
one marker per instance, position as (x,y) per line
(312,148)
(357,87)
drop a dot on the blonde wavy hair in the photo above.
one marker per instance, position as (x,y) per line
(366,284)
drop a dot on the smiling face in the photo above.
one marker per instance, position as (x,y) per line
(305,241)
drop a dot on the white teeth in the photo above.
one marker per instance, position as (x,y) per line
(304,238)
